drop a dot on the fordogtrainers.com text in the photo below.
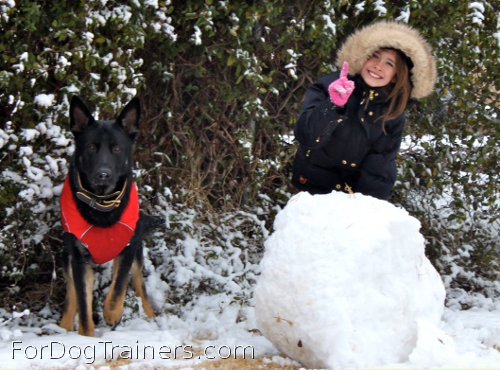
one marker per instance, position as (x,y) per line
(109,351)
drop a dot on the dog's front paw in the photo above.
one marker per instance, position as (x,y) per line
(67,323)
(113,312)
(88,331)
(148,309)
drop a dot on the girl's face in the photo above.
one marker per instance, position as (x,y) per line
(380,69)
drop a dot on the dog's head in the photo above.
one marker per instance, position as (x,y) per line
(103,149)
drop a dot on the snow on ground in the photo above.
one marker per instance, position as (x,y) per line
(222,327)
(208,332)
(475,334)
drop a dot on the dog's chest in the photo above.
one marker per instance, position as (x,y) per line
(103,243)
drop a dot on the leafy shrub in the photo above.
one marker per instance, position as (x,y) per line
(221,83)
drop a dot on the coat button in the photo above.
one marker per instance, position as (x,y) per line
(362,120)
(354,165)
(339,120)
(338,186)
(370,113)
(344,162)
(302,180)
(318,139)
(308,153)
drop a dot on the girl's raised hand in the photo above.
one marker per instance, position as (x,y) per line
(341,89)
(345,71)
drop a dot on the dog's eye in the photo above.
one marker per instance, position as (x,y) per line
(116,149)
(92,147)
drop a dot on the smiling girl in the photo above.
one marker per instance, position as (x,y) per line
(351,124)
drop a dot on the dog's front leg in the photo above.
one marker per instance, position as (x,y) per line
(83,276)
(80,284)
(113,304)
(70,305)
(86,321)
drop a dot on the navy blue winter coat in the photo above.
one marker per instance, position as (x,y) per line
(346,148)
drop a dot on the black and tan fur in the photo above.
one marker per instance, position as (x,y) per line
(103,169)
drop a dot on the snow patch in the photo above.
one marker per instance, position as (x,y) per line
(45,100)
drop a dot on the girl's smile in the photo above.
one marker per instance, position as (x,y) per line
(380,69)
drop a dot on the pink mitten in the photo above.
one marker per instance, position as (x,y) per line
(340,90)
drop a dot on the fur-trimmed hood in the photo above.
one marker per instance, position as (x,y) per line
(389,34)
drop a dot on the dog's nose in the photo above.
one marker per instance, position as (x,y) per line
(104,174)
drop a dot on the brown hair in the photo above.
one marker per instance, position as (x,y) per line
(401,88)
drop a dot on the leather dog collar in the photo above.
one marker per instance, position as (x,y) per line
(103,203)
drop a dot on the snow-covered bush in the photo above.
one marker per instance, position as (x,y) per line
(451,186)
(48,54)
(449,164)
(221,84)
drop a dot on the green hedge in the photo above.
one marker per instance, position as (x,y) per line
(221,84)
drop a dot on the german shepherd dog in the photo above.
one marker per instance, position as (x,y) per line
(100,216)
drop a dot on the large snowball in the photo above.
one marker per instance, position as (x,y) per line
(345,282)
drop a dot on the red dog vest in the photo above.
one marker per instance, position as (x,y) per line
(103,243)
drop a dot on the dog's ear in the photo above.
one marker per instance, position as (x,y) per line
(79,115)
(130,116)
